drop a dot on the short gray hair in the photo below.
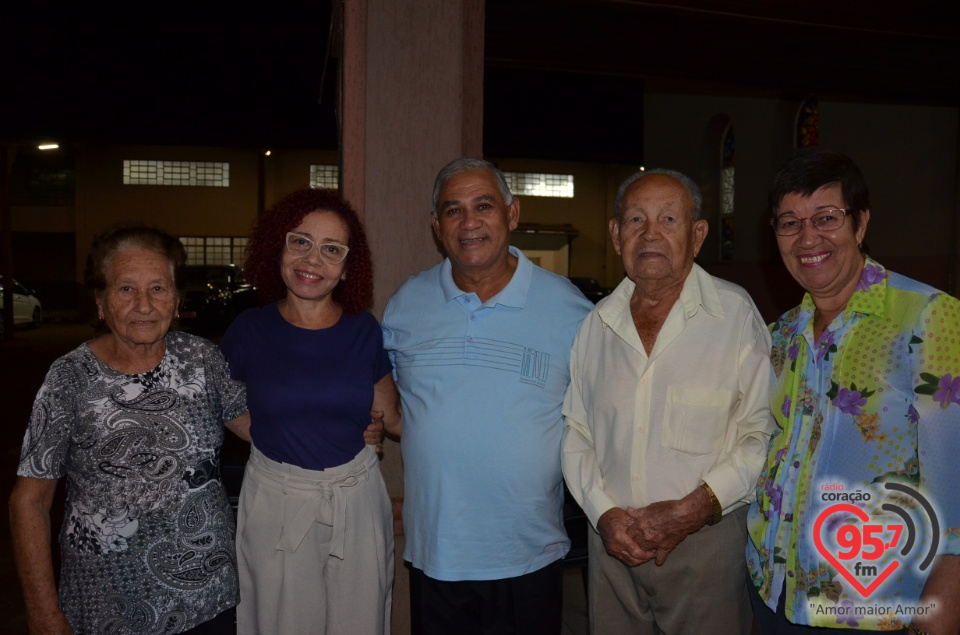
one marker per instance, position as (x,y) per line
(684,180)
(466,164)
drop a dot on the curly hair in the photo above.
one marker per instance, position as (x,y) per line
(267,242)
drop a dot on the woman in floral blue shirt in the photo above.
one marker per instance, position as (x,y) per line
(857,519)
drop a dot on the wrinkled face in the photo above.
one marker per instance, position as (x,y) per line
(826,264)
(474,222)
(657,237)
(140,299)
(310,277)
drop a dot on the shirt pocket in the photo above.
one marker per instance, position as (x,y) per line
(695,420)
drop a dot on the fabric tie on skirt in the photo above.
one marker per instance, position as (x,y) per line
(320,500)
(327,507)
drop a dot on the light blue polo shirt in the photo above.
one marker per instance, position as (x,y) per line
(482,386)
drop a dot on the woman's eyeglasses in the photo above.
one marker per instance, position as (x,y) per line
(826,220)
(331,252)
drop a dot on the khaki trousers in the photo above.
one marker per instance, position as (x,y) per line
(701,588)
(314,549)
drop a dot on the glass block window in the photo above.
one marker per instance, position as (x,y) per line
(214,250)
(324,176)
(188,173)
(536,184)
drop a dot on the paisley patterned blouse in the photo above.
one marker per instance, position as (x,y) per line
(869,418)
(148,536)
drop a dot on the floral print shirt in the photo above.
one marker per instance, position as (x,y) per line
(869,430)
(147,541)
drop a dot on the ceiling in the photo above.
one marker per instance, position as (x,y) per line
(209,76)
(861,50)
(254,78)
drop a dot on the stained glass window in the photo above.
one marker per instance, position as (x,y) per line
(808,124)
(726,194)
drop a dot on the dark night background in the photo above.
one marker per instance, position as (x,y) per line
(231,76)
(192,76)
(256,79)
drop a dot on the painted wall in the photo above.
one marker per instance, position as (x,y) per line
(908,155)
(595,186)
(289,170)
(103,200)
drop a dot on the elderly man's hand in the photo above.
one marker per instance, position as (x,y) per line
(661,526)
(613,526)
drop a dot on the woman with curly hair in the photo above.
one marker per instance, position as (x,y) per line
(315,530)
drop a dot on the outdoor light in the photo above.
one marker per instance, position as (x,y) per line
(48,146)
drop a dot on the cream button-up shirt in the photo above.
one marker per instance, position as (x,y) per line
(646,428)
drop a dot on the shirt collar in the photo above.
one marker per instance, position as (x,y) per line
(514,294)
(698,291)
(868,297)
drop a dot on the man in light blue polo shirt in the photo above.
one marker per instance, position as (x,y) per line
(481,346)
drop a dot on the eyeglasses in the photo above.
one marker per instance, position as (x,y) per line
(331,253)
(825,220)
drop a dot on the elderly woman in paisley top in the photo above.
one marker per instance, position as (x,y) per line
(133,420)
(865,391)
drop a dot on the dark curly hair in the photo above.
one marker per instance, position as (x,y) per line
(267,244)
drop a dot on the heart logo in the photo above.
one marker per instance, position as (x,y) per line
(842,568)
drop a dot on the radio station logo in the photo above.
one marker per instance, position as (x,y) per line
(858,549)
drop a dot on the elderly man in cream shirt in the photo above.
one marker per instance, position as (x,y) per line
(667,424)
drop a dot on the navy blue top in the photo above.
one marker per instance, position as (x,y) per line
(309,391)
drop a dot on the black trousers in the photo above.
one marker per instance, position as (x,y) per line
(530,604)
(223,624)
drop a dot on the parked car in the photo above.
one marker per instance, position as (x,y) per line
(26,306)
(214,295)
(590,288)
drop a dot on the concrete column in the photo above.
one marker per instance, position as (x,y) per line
(412,101)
